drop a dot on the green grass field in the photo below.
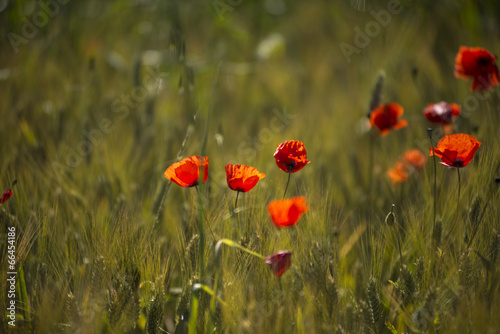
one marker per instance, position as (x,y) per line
(98,98)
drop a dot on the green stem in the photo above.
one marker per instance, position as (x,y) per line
(200,207)
(236,202)
(456,213)
(429,131)
(231,243)
(287,182)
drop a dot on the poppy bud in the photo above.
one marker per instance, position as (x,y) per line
(390,219)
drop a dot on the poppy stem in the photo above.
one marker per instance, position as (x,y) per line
(287,182)
(236,202)
(429,132)
(456,212)
(203,215)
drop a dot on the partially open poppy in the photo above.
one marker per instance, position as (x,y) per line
(291,156)
(186,172)
(5,197)
(456,150)
(480,65)
(386,118)
(287,212)
(279,262)
(242,178)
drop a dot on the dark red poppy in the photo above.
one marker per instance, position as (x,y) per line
(456,150)
(287,212)
(480,65)
(442,112)
(386,118)
(5,197)
(242,178)
(291,156)
(186,172)
(279,262)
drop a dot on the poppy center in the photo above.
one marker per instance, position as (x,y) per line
(483,61)
(290,166)
(458,163)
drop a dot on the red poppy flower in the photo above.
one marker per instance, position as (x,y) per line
(456,150)
(386,118)
(415,158)
(242,178)
(186,172)
(480,65)
(441,112)
(399,173)
(5,197)
(291,156)
(279,262)
(287,212)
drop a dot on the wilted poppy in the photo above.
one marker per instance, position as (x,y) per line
(480,65)
(279,262)
(5,197)
(287,212)
(456,150)
(386,118)
(399,173)
(242,178)
(186,172)
(291,156)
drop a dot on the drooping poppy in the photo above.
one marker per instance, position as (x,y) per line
(279,262)
(5,197)
(186,172)
(480,65)
(386,118)
(291,156)
(399,173)
(415,158)
(287,212)
(456,150)
(242,178)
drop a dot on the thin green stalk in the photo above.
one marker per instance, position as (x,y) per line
(236,201)
(370,174)
(287,182)
(429,132)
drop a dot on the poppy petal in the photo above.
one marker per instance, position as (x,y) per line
(291,156)
(287,212)
(186,173)
(242,178)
